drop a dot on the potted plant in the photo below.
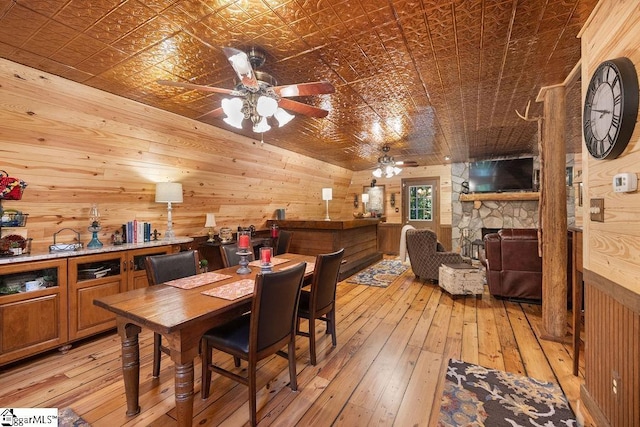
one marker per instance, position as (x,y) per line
(15,248)
(204,265)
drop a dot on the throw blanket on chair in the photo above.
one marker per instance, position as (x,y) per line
(404,255)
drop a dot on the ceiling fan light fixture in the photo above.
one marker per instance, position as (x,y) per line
(233,109)
(262,126)
(377,173)
(282,117)
(266,106)
(397,170)
(241,65)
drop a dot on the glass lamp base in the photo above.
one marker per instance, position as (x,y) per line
(94,243)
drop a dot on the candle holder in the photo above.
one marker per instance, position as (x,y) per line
(244,246)
(244,262)
(266,253)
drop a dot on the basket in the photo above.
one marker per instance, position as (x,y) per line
(12,218)
(11,188)
(76,245)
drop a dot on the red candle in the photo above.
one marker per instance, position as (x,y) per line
(265,255)
(243,241)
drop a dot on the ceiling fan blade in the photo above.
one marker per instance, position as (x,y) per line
(241,65)
(218,112)
(299,107)
(200,87)
(304,89)
(407,163)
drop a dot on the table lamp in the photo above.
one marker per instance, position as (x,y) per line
(94,227)
(169,192)
(327,194)
(210,223)
(365,200)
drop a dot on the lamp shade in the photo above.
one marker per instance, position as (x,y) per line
(365,198)
(211,220)
(168,192)
(327,194)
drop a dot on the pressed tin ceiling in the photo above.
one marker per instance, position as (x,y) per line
(431,78)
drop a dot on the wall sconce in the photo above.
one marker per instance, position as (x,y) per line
(392,202)
(355,201)
(373,183)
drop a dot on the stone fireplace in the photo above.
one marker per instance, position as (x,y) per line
(470,221)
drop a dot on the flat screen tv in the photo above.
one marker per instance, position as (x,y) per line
(495,176)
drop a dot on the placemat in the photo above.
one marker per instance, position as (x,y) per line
(233,290)
(307,270)
(274,261)
(197,280)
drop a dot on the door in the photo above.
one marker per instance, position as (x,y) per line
(422,202)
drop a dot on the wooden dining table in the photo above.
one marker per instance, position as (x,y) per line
(181,313)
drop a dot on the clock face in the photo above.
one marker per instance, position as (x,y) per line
(610,108)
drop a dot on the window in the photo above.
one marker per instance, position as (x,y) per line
(420,203)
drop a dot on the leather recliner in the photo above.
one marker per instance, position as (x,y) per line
(514,269)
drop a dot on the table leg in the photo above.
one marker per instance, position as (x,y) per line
(131,367)
(184,393)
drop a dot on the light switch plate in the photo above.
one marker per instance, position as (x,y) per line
(596,209)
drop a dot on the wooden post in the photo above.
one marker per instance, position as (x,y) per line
(553,214)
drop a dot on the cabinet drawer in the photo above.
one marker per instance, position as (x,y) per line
(31,325)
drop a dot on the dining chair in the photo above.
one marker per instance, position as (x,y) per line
(230,255)
(258,334)
(163,268)
(320,301)
(284,242)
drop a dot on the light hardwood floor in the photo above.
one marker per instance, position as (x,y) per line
(388,367)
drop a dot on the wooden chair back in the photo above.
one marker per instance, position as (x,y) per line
(163,268)
(284,242)
(230,255)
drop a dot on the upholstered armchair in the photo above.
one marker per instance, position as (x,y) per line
(425,258)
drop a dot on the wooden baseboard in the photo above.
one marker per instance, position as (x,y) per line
(598,417)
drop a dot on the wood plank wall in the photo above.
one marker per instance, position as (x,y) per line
(75,145)
(612,247)
(618,329)
(393,185)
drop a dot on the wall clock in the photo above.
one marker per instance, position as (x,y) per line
(610,108)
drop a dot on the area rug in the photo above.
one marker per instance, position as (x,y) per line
(67,417)
(381,274)
(478,396)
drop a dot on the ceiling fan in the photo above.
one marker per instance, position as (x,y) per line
(257,96)
(389,167)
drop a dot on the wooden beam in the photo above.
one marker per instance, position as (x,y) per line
(553,215)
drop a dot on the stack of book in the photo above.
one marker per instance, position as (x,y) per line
(93,273)
(136,232)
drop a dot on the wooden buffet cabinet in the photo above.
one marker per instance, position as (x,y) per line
(52,317)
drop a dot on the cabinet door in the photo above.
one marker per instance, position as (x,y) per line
(136,273)
(36,320)
(90,277)
(389,238)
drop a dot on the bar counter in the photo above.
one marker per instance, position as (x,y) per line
(358,237)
